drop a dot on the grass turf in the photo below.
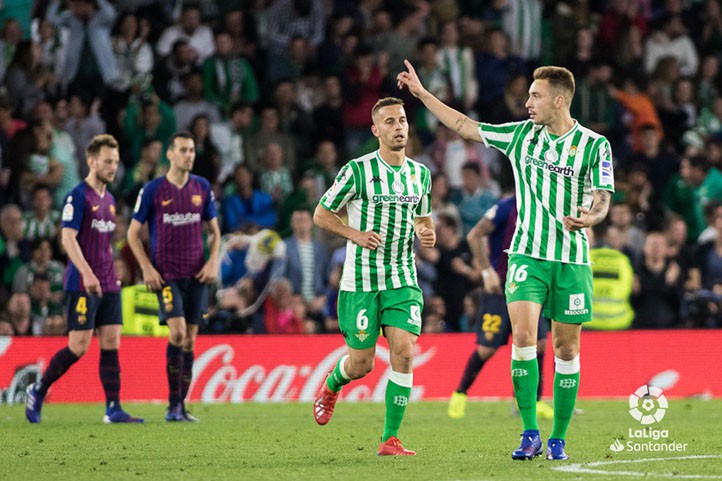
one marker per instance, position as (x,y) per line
(279,442)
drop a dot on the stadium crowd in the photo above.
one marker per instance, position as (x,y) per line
(277,95)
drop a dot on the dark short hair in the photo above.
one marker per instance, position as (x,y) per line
(178,44)
(473,166)
(385,102)
(190,6)
(647,126)
(448,220)
(559,78)
(183,134)
(41,186)
(38,241)
(98,142)
(699,162)
(238,106)
(147,141)
(427,41)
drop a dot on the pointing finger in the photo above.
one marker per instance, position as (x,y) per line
(409,66)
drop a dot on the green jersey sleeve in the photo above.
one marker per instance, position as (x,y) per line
(499,136)
(602,167)
(342,191)
(423,208)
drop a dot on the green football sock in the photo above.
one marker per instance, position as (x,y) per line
(398,390)
(525,377)
(338,377)
(566,387)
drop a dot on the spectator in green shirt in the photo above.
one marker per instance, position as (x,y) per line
(227,77)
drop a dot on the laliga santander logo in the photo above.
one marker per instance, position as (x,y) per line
(647,405)
(219,380)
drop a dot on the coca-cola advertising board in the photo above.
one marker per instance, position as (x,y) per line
(291,368)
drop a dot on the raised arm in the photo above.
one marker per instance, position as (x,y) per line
(453,119)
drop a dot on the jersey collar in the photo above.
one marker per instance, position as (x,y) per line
(561,139)
(391,169)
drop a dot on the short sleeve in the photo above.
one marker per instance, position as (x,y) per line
(342,190)
(73,209)
(499,136)
(143,205)
(423,208)
(602,167)
(209,210)
(498,213)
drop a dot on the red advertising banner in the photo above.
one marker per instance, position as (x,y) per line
(291,368)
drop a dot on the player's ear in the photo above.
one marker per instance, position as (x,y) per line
(374,130)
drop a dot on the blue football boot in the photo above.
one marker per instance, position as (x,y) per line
(33,404)
(117,415)
(555,450)
(175,414)
(531,445)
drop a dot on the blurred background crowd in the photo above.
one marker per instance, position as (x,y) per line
(278,93)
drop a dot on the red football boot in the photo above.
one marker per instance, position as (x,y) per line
(324,404)
(393,447)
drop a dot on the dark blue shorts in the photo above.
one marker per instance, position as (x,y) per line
(86,312)
(493,326)
(185,298)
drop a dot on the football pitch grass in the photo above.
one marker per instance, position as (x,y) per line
(248,442)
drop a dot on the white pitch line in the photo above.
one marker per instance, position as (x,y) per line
(586,468)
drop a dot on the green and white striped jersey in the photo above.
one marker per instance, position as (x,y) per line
(554,177)
(47,227)
(385,200)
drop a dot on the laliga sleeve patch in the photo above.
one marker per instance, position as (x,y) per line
(68,212)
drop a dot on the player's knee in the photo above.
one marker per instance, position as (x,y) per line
(177,338)
(403,352)
(485,352)
(358,368)
(79,348)
(189,344)
(566,352)
(523,338)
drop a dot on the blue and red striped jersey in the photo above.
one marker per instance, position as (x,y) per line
(175,219)
(93,216)
(503,215)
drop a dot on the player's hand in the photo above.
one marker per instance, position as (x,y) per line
(584,220)
(152,279)
(92,284)
(367,240)
(208,274)
(426,236)
(492,283)
(410,80)
(672,275)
